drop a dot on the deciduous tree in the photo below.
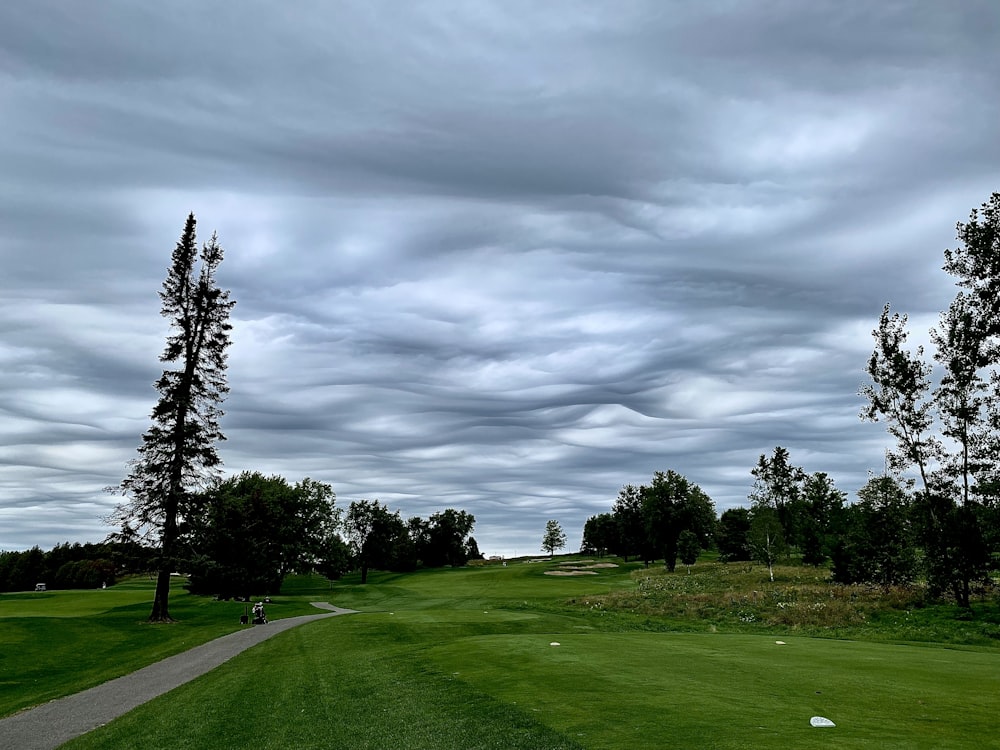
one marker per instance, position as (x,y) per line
(778,485)
(688,547)
(600,535)
(253,530)
(877,543)
(951,434)
(373,533)
(767,539)
(731,536)
(448,535)
(631,532)
(554,538)
(821,519)
(670,505)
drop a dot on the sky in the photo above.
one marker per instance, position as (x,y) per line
(505,257)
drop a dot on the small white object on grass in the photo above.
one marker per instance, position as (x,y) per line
(554,643)
(780,643)
(820,721)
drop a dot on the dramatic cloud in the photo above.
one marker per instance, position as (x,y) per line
(505,257)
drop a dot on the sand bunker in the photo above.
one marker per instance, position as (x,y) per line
(575,566)
(570,573)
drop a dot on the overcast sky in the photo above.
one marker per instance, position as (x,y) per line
(498,256)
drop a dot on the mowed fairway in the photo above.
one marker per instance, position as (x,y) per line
(463,659)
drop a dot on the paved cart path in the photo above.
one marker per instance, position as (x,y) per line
(51,724)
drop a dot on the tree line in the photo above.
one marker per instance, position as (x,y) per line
(71,566)
(940,523)
(250,531)
(933,515)
(884,538)
(244,534)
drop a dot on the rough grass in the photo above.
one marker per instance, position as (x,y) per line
(737,597)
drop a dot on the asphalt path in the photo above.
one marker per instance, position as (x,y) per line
(51,724)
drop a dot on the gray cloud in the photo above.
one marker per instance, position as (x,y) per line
(505,257)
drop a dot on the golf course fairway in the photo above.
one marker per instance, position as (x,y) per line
(468,659)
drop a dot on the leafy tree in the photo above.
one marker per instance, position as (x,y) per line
(472,550)
(767,536)
(670,505)
(335,559)
(374,534)
(732,535)
(600,535)
(178,451)
(631,528)
(877,544)
(22,570)
(688,547)
(950,434)
(778,485)
(84,574)
(821,518)
(555,537)
(252,530)
(447,537)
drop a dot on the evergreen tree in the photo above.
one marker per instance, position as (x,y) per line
(178,451)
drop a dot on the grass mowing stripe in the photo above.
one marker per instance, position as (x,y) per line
(451,658)
(734,691)
(327,684)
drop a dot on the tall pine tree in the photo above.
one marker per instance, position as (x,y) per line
(178,451)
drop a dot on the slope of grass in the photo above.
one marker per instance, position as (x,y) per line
(801,600)
(463,658)
(735,691)
(352,685)
(55,643)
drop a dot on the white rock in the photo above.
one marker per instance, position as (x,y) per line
(819,721)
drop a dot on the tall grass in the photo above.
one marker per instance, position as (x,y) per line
(737,597)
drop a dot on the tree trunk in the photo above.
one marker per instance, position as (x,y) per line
(161,611)
(161,598)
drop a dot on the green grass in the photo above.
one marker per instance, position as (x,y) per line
(55,643)
(621,690)
(462,659)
